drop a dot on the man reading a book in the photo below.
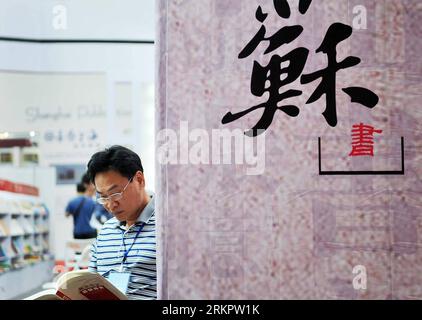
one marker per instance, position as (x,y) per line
(124,251)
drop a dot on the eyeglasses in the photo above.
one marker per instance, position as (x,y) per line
(115,196)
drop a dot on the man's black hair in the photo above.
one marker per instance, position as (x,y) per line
(116,158)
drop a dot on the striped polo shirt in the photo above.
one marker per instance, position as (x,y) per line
(113,240)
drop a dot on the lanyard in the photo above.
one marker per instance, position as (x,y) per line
(128,250)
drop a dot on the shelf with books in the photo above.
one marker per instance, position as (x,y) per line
(22,274)
(24,227)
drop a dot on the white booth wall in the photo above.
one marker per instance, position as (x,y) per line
(115,80)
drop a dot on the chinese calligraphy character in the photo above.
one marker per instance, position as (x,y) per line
(60,135)
(283,9)
(273,72)
(336,33)
(363,140)
(71,135)
(92,135)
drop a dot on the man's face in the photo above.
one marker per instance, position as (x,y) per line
(111,182)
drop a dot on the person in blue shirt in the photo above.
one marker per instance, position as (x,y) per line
(101,214)
(81,208)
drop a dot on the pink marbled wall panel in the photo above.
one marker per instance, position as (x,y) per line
(291,233)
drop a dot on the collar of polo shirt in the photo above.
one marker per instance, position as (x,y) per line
(144,216)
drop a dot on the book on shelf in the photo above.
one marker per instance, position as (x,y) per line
(4,230)
(27,226)
(4,206)
(36,248)
(14,207)
(26,207)
(44,244)
(80,285)
(16,228)
(7,249)
(40,209)
(17,246)
(3,254)
(40,227)
(28,249)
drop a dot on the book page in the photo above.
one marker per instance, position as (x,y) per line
(49,294)
(85,285)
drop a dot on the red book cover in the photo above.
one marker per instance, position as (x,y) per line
(62,295)
(98,292)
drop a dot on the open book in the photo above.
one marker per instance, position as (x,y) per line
(80,285)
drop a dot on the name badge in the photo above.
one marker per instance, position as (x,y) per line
(120,280)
